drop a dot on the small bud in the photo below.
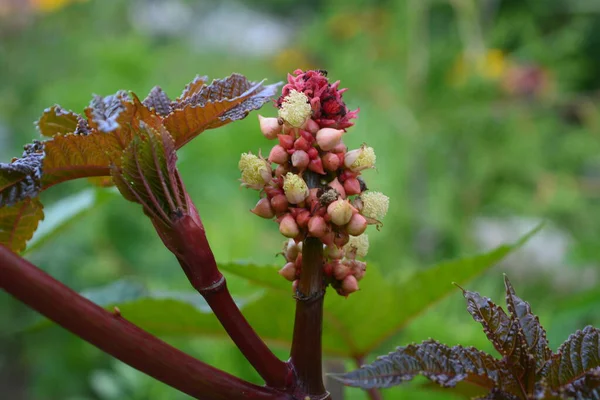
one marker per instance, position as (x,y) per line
(334,252)
(295,109)
(317,226)
(357,268)
(352,186)
(316,166)
(300,159)
(307,136)
(331,162)
(278,155)
(279,204)
(327,239)
(302,144)
(291,250)
(256,172)
(302,218)
(374,205)
(281,170)
(288,226)
(269,127)
(313,153)
(357,246)
(340,212)
(360,159)
(340,271)
(311,126)
(357,225)
(288,271)
(340,148)
(341,238)
(295,188)
(349,285)
(286,141)
(263,209)
(335,184)
(328,138)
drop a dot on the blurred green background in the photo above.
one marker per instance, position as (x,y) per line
(484,115)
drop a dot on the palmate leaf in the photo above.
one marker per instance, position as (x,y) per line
(502,330)
(82,148)
(577,356)
(56,120)
(442,364)
(342,336)
(18,222)
(529,323)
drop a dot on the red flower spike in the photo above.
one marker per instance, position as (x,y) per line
(329,110)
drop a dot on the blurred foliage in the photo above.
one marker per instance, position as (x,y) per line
(475,108)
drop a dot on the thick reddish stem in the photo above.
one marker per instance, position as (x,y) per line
(308,326)
(197,260)
(116,336)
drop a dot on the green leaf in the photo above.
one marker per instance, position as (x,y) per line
(382,307)
(66,211)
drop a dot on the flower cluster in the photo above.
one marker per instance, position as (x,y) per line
(311,183)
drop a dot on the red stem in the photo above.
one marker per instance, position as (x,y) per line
(119,338)
(308,326)
(198,262)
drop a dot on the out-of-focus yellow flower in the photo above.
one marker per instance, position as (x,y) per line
(51,5)
(490,66)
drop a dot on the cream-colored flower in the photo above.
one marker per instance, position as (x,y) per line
(374,205)
(360,159)
(295,109)
(357,245)
(294,187)
(256,172)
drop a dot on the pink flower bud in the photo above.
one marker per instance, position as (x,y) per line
(340,148)
(300,159)
(278,155)
(331,162)
(334,252)
(279,204)
(352,186)
(327,239)
(263,209)
(335,184)
(316,166)
(288,226)
(299,262)
(340,212)
(313,153)
(302,144)
(302,218)
(328,138)
(307,136)
(286,141)
(288,271)
(340,271)
(281,170)
(291,250)
(341,238)
(328,269)
(357,225)
(312,198)
(357,268)
(273,191)
(349,285)
(311,126)
(317,227)
(269,127)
